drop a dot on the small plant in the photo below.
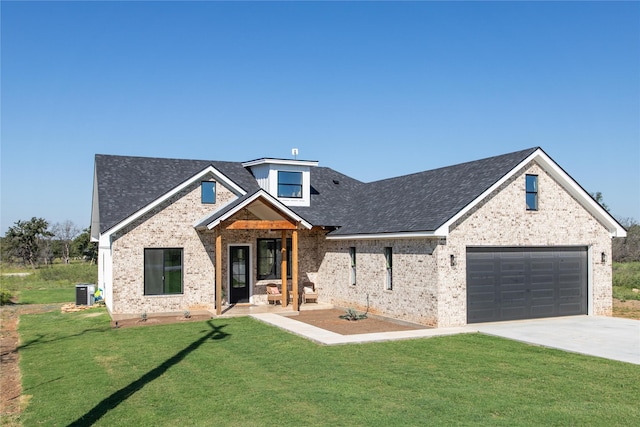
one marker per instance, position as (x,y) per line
(5,297)
(187,314)
(143,316)
(352,314)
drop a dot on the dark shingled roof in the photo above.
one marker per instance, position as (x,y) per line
(127,184)
(332,195)
(424,201)
(417,202)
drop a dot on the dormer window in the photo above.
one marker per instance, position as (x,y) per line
(290,184)
(287,180)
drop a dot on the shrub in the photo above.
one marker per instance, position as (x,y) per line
(5,297)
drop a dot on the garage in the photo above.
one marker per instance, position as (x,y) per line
(511,283)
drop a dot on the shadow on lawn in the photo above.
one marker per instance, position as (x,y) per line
(124,393)
(46,339)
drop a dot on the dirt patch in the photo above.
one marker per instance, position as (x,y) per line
(10,387)
(331,321)
(629,309)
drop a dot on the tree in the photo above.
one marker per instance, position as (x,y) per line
(65,233)
(83,246)
(25,239)
(600,199)
(627,249)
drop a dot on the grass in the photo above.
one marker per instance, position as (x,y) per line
(626,278)
(47,285)
(76,370)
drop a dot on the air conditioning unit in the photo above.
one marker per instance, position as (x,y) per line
(85,294)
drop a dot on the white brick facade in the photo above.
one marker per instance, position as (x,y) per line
(427,289)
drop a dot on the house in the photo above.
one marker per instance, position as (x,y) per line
(506,237)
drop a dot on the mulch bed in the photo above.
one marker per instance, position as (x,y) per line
(331,321)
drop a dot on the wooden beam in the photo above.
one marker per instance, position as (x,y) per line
(283,268)
(294,268)
(261,225)
(218,272)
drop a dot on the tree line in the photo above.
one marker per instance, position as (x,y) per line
(34,243)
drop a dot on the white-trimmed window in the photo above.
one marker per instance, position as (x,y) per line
(208,191)
(290,184)
(162,271)
(352,257)
(388,257)
(532,192)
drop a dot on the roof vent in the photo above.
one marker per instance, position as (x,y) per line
(336,182)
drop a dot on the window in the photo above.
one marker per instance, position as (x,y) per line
(162,271)
(270,259)
(208,189)
(352,256)
(532,192)
(388,256)
(290,184)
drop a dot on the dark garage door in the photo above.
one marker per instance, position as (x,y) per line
(525,283)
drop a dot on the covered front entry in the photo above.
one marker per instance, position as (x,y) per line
(525,283)
(259,212)
(239,274)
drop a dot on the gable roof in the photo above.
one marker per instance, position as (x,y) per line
(419,204)
(422,202)
(227,211)
(126,184)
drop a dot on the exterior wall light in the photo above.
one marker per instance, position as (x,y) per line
(452,259)
(603,257)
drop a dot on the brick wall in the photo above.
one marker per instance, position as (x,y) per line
(167,226)
(503,220)
(171,226)
(414,278)
(428,290)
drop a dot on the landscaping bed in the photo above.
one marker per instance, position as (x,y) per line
(331,321)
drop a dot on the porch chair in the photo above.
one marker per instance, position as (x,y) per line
(273,294)
(309,292)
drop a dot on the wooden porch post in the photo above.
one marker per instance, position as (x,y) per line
(218,272)
(294,268)
(283,267)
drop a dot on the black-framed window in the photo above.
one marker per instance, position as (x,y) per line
(270,259)
(388,257)
(208,191)
(532,192)
(290,184)
(162,271)
(352,257)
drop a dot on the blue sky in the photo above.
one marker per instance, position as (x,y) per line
(371,89)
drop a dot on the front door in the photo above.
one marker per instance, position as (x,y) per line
(239,274)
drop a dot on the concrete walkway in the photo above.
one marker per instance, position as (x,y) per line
(608,337)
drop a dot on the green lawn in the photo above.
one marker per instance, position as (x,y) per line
(77,371)
(626,278)
(47,285)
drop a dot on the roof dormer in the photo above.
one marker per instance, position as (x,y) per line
(287,180)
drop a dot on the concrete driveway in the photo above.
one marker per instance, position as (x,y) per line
(608,337)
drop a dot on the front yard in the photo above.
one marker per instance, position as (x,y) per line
(77,370)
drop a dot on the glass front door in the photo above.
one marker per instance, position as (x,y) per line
(239,274)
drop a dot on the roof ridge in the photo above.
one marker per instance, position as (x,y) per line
(528,151)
